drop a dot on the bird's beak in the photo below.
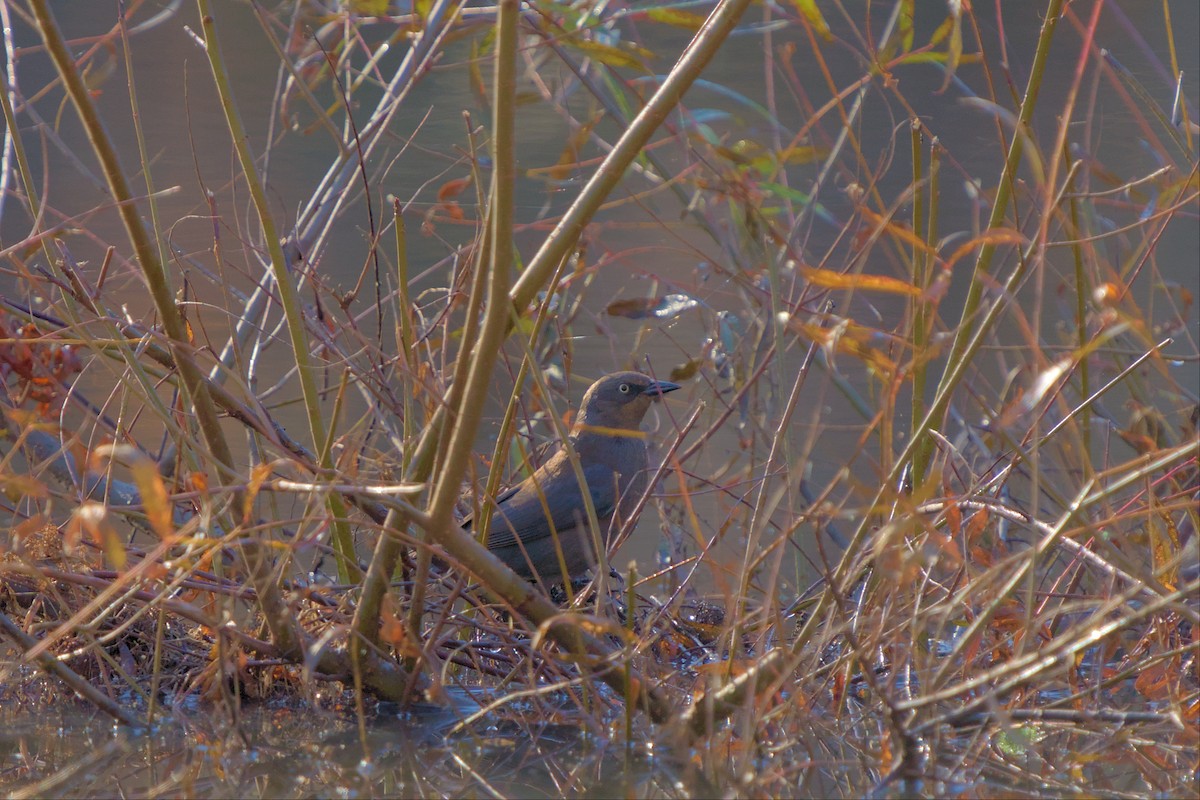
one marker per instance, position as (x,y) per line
(659,388)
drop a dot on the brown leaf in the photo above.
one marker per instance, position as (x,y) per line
(666,307)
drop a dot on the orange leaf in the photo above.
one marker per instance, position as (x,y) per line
(258,474)
(829,279)
(197,481)
(901,232)
(1154,682)
(982,557)
(94,520)
(954,519)
(977,524)
(847,338)
(988,237)
(453,211)
(17,487)
(155,500)
(453,188)
(569,159)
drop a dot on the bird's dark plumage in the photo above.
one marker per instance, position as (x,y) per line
(548,505)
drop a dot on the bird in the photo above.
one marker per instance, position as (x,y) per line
(545,514)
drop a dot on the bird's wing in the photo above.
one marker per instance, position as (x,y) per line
(468,521)
(522,513)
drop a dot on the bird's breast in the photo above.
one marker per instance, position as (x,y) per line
(624,455)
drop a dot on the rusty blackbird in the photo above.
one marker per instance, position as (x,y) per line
(545,514)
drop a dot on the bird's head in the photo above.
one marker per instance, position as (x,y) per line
(620,401)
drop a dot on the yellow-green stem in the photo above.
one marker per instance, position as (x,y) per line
(343,543)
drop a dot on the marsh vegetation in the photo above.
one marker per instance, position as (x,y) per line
(289,289)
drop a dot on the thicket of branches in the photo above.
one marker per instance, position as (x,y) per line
(997,587)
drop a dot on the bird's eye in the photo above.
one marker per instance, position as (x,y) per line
(623,388)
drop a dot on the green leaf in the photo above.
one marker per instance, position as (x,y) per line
(673,16)
(808,9)
(1017,741)
(369,8)
(608,55)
